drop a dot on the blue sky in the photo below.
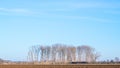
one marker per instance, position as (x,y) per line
(25,23)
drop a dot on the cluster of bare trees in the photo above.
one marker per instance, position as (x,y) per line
(62,53)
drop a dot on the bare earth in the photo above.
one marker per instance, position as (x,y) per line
(62,66)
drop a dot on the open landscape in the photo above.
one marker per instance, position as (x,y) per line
(59,33)
(61,56)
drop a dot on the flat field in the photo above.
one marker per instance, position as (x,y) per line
(63,66)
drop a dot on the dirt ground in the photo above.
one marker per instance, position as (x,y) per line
(61,66)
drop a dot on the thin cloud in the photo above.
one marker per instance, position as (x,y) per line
(64,6)
(115,12)
(52,15)
(90,18)
(94,5)
(15,10)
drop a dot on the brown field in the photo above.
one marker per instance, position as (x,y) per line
(63,66)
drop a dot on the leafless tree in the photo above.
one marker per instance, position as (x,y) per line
(62,53)
(30,56)
(79,53)
(33,54)
(41,53)
(48,53)
(54,53)
(73,53)
(87,53)
(116,59)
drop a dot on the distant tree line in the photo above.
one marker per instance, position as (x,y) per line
(62,53)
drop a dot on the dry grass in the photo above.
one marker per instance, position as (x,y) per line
(63,66)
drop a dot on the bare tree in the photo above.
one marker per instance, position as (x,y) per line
(54,53)
(30,56)
(33,54)
(63,50)
(42,49)
(73,53)
(87,53)
(48,51)
(79,53)
(116,59)
(62,53)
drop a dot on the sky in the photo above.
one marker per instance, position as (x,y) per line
(24,23)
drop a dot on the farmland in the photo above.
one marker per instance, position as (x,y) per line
(63,66)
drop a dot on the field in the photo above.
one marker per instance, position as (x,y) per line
(63,66)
